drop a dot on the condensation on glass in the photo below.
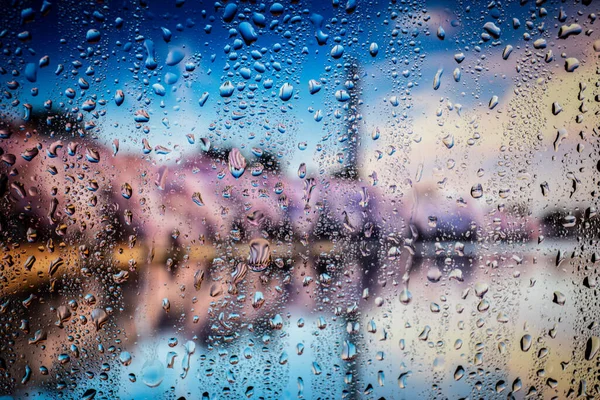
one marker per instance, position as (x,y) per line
(326,199)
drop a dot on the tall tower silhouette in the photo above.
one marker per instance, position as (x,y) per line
(350,167)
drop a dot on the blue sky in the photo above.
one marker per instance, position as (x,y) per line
(300,58)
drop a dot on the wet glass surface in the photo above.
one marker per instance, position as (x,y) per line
(337,199)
